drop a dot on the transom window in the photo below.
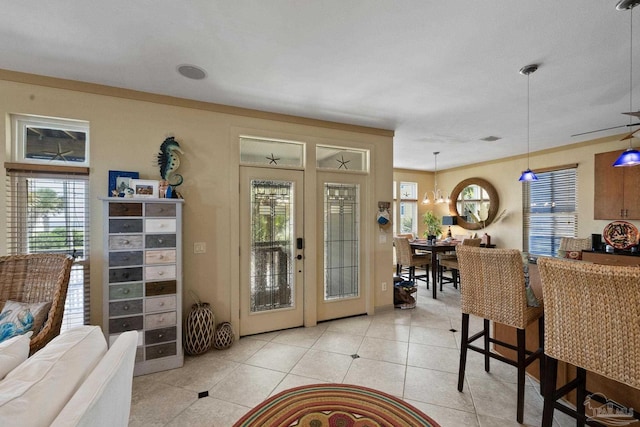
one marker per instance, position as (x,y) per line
(50,141)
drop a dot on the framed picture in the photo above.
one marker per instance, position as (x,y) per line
(144,188)
(119,183)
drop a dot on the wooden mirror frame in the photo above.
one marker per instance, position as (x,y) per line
(493,205)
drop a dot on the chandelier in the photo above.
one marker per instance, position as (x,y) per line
(438,196)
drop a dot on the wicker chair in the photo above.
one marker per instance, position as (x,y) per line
(493,288)
(37,278)
(406,258)
(450,262)
(573,244)
(591,321)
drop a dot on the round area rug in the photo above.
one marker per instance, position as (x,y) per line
(334,405)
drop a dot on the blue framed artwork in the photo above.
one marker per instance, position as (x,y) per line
(119,182)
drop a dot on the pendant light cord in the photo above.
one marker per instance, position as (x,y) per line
(528,117)
(631,68)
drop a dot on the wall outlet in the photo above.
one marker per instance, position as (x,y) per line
(384,286)
(199,248)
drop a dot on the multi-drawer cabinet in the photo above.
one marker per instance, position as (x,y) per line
(143,278)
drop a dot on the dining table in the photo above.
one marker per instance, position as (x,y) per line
(434,249)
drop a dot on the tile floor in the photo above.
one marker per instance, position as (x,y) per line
(411,354)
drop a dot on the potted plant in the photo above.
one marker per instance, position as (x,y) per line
(433,225)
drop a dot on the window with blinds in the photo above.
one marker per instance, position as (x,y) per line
(49,212)
(549,211)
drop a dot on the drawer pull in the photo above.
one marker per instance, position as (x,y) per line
(161,257)
(160,240)
(162,304)
(126,291)
(125,275)
(160,335)
(126,307)
(126,226)
(125,242)
(125,258)
(125,325)
(160,351)
(160,273)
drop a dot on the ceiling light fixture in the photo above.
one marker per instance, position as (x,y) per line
(631,156)
(528,175)
(191,71)
(437,194)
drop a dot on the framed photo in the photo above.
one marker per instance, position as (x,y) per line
(144,188)
(119,183)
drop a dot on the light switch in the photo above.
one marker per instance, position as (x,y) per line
(199,247)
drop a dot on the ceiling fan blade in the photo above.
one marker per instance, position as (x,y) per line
(600,130)
(629,135)
(635,114)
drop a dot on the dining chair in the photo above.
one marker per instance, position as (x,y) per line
(492,287)
(572,247)
(591,322)
(407,259)
(450,262)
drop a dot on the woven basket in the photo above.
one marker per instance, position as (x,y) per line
(223,336)
(198,335)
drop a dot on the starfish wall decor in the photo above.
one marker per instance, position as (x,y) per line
(272,160)
(58,155)
(342,162)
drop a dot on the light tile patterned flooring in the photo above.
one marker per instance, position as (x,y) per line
(411,354)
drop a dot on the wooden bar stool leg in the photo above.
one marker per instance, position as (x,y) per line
(581,395)
(487,345)
(521,374)
(550,378)
(541,359)
(463,349)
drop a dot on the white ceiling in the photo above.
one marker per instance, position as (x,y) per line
(442,74)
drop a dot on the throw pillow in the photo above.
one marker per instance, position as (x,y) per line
(573,255)
(13,352)
(18,318)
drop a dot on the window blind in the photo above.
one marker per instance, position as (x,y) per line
(549,211)
(49,212)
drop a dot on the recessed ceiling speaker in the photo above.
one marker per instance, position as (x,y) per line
(192,71)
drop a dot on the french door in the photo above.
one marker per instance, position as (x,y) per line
(340,292)
(271,249)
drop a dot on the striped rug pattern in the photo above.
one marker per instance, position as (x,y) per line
(343,405)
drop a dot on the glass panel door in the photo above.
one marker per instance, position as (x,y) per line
(341,293)
(271,263)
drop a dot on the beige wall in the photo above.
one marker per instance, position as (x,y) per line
(126,135)
(504,174)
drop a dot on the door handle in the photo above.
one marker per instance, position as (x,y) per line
(300,243)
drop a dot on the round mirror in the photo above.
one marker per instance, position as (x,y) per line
(475,202)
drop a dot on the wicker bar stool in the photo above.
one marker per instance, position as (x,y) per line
(450,261)
(406,258)
(591,322)
(492,286)
(35,278)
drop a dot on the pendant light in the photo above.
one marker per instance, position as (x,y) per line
(437,194)
(528,175)
(630,157)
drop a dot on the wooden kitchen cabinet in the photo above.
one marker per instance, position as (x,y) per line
(616,190)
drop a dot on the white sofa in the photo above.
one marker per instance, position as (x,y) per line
(73,381)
